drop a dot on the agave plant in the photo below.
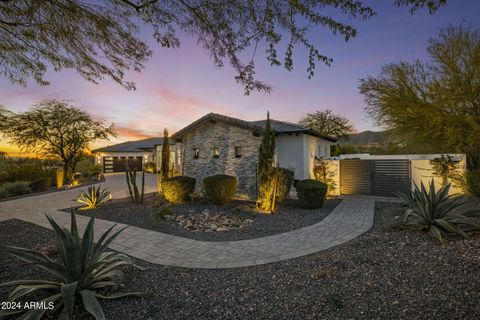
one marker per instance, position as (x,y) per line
(435,211)
(93,197)
(83,269)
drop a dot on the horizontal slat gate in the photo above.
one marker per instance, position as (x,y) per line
(356,177)
(390,177)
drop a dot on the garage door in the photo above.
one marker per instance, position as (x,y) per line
(117,164)
(375,177)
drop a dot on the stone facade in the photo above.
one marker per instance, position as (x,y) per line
(225,137)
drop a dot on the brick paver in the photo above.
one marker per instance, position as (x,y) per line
(352,217)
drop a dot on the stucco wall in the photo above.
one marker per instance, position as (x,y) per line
(313,147)
(224,136)
(290,155)
(421,171)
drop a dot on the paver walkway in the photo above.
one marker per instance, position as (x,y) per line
(352,217)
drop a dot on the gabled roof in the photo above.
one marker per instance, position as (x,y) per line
(217,117)
(288,127)
(255,126)
(132,146)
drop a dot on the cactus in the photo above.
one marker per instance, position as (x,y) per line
(131,176)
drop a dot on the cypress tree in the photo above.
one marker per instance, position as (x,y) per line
(165,167)
(266,169)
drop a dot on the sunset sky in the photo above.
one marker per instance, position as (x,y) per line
(180,85)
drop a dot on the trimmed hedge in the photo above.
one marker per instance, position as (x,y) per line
(41,184)
(178,189)
(311,193)
(285,182)
(473,182)
(220,189)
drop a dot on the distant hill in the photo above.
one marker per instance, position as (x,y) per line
(367,137)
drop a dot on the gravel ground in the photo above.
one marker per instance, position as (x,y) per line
(288,217)
(390,272)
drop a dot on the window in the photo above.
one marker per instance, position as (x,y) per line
(216,152)
(238,152)
(196,153)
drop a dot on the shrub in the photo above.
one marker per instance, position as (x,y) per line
(311,193)
(77,175)
(41,184)
(473,182)
(85,271)
(220,188)
(434,211)
(22,172)
(285,182)
(88,168)
(93,197)
(16,188)
(3,193)
(150,167)
(160,215)
(178,189)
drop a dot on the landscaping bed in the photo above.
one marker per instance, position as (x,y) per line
(390,272)
(200,220)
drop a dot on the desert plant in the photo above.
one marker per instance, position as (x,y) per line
(41,184)
(150,167)
(311,193)
(323,171)
(285,182)
(266,174)
(436,212)
(93,197)
(60,177)
(131,175)
(220,189)
(85,270)
(446,168)
(178,189)
(16,188)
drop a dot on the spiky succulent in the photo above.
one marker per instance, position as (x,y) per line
(83,269)
(93,197)
(436,211)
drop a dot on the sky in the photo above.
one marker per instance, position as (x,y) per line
(180,85)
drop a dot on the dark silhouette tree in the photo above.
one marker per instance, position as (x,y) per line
(327,123)
(55,129)
(101,39)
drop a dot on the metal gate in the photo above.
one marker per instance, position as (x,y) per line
(374,177)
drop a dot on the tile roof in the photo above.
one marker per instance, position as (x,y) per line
(256,126)
(132,146)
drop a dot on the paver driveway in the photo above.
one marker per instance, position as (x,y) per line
(352,217)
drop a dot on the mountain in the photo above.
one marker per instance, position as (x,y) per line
(367,137)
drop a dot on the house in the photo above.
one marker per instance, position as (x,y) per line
(112,158)
(218,144)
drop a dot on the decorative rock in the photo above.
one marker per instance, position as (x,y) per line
(207,222)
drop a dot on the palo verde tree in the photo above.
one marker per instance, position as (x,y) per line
(434,103)
(327,123)
(55,129)
(266,173)
(101,38)
(165,167)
